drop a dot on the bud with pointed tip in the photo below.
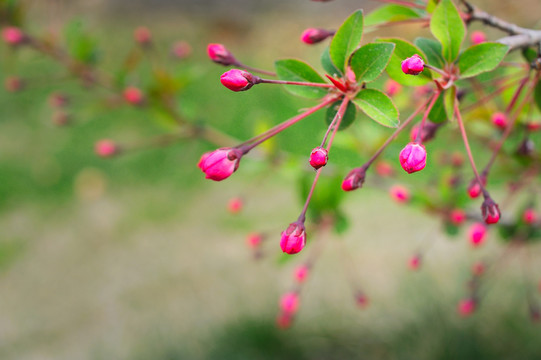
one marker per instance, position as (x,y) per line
(289,303)
(133,95)
(477,234)
(478,37)
(220,55)
(490,211)
(529,216)
(354,179)
(142,36)
(413,65)
(312,35)
(466,306)
(413,157)
(238,80)
(13,35)
(106,148)
(301,273)
(499,120)
(399,193)
(220,164)
(319,157)
(474,189)
(293,238)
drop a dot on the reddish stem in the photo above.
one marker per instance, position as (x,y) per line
(419,137)
(301,83)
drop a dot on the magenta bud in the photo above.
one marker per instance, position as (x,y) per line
(13,35)
(289,303)
(457,216)
(466,306)
(413,157)
(319,157)
(354,179)
(529,216)
(499,120)
(293,238)
(477,234)
(219,54)
(284,320)
(106,148)
(400,194)
(474,189)
(313,36)
(490,211)
(238,80)
(58,100)
(235,205)
(392,87)
(413,65)
(220,164)
(478,37)
(253,240)
(301,273)
(142,36)
(414,262)
(361,300)
(133,95)
(181,50)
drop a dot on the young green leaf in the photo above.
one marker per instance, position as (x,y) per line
(327,64)
(296,70)
(370,60)
(449,97)
(481,58)
(431,6)
(378,106)
(390,13)
(432,49)
(402,51)
(346,40)
(447,26)
(348,118)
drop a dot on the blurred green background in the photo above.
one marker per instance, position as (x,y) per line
(136,257)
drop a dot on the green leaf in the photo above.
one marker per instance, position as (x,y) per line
(370,60)
(449,97)
(447,26)
(348,118)
(346,40)
(79,44)
(378,106)
(537,95)
(327,64)
(529,54)
(402,51)
(390,13)
(431,6)
(481,58)
(296,70)
(432,49)
(437,113)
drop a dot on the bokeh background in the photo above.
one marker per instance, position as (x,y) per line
(137,257)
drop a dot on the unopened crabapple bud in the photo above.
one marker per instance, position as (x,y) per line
(106,148)
(392,87)
(13,84)
(314,35)
(238,80)
(254,240)
(399,193)
(428,133)
(58,100)
(133,95)
(361,300)
(533,126)
(293,238)
(142,36)
(219,54)
(220,164)
(478,37)
(384,168)
(181,50)
(13,35)
(474,189)
(466,307)
(289,303)
(478,268)
(413,157)
(413,65)
(529,216)
(319,157)
(235,205)
(490,211)
(354,179)
(301,273)
(477,234)
(457,216)
(499,120)
(414,262)
(284,320)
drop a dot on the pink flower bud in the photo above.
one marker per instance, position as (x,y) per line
(361,300)
(254,240)
(413,157)
(58,100)
(428,133)
(478,37)
(301,273)
(399,194)
(413,65)
(284,320)
(354,179)
(490,211)
(392,87)
(312,36)
(384,169)
(235,205)
(220,164)
(499,120)
(106,148)
(474,189)
(133,95)
(466,307)
(289,303)
(293,238)
(181,50)
(414,262)
(457,216)
(13,84)
(478,268)
(477,234)
(533,126)
(529,216)
(238,80)
(142,36)
(13,35)
(319,157)
(219,54)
